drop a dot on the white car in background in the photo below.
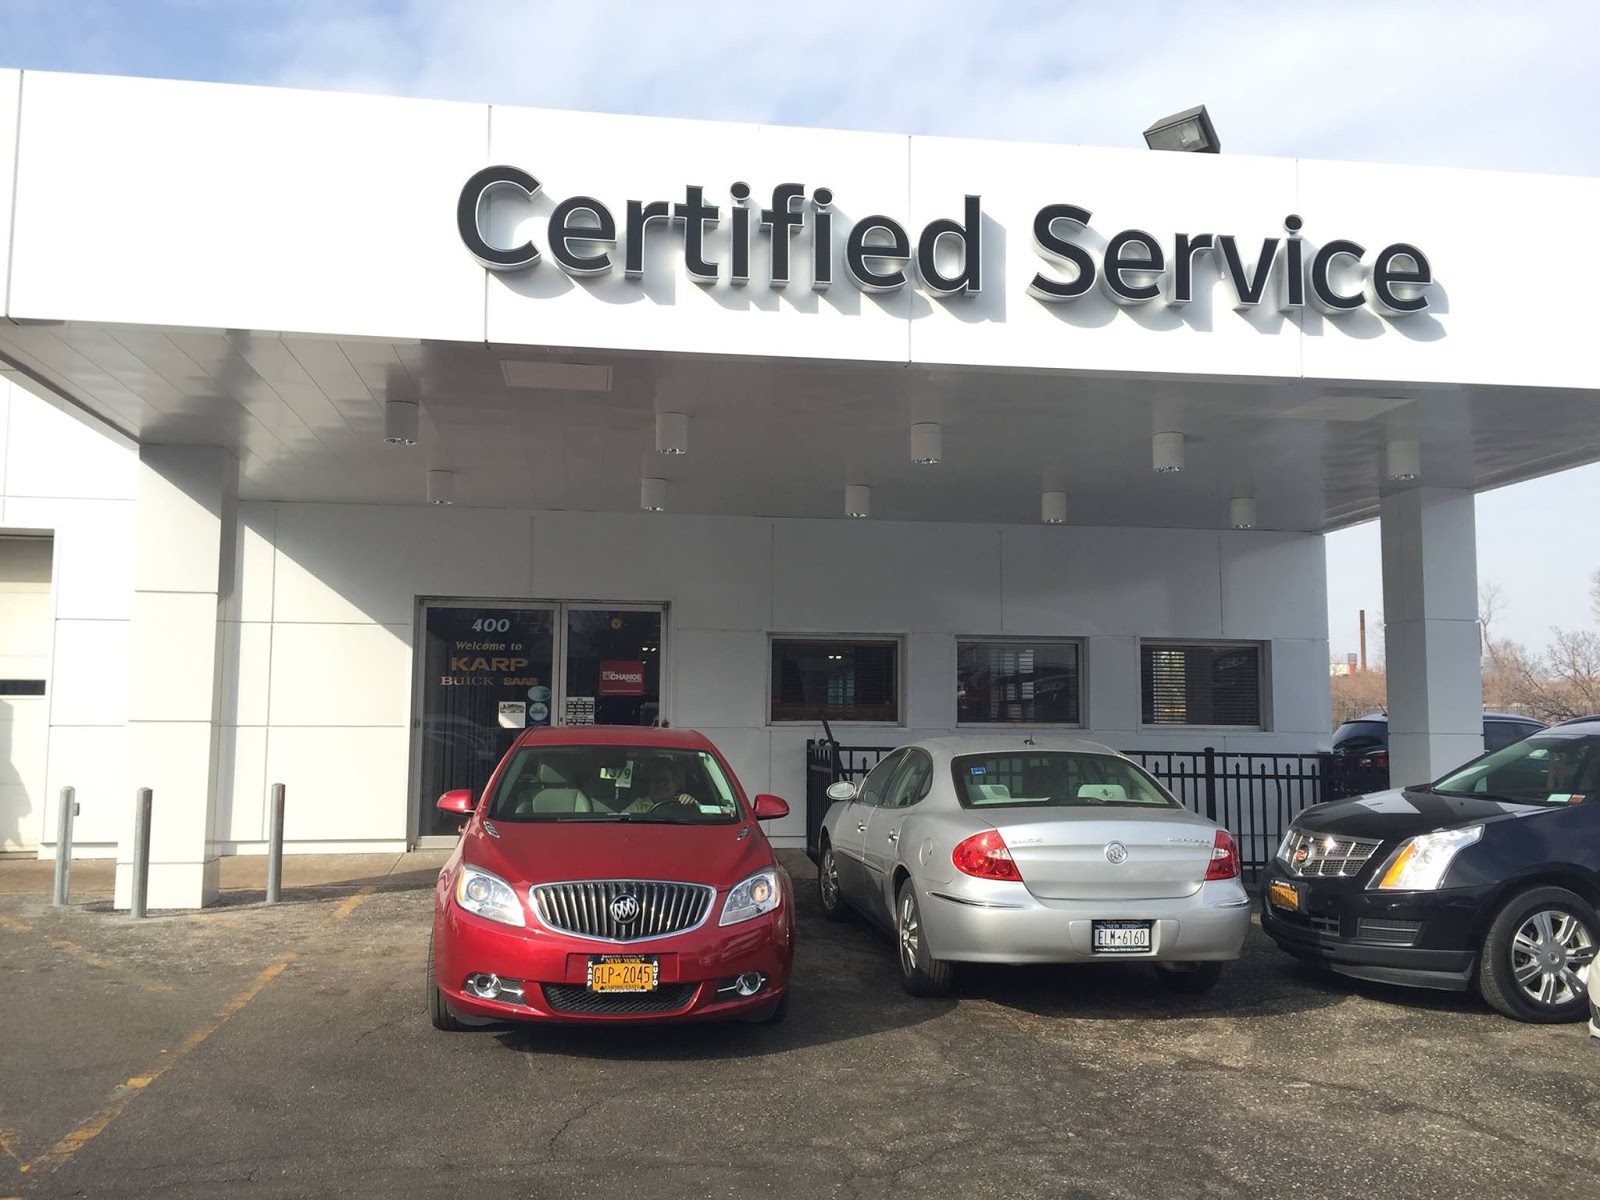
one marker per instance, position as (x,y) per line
(1031,849)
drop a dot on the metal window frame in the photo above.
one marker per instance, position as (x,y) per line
(898,640)
(1263,682)
(1082,643)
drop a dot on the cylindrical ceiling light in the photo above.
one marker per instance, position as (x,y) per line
(1166,453)
(672,433)
(1404,459)
(857,500)
(652,494)
(400,422)
(1242,512)
(441,487)
(1053,508)
(926,443)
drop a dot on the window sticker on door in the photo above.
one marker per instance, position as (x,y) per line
(980,770)
(580,710)
(513,714)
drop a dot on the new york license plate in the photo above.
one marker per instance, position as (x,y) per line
(1122,937)
(623,973)
(1284,895)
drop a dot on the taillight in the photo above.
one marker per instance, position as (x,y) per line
(1224,857)
(985,856)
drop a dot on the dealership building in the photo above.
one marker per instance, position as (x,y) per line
(342,437)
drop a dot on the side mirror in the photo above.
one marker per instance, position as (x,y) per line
(458,801)
(843,790)
(770,808)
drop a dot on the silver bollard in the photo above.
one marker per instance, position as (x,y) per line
(275,846)
(68,810)
(141,851)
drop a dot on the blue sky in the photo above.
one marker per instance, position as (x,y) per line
(1458,83)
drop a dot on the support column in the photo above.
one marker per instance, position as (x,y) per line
(1430,629)
(186,547)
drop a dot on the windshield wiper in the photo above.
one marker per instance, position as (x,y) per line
(1490,796)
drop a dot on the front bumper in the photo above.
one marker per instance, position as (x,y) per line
(552,969)
(984,921)
(1414,939)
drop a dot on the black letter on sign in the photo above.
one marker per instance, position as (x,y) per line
(856,253)
(739,266)
(563,232)
(696,214)
(780,220)
(1321,288)
(479,186)
(970,232)
(822,240)
(1059,249)
(1294,269)
(1247,290)
(1184,248)
(1385,276)
(639,215)
(1117,262)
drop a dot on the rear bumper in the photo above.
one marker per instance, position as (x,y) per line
(1005,923)
(553,970)
(1330,929)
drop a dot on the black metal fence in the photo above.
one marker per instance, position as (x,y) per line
(1253,796)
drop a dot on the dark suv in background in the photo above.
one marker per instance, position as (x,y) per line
(1361,748)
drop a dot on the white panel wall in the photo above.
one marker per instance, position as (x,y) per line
(10,97)
(60,477)
(324,668)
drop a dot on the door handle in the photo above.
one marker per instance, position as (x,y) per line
(861,827)
(894,835)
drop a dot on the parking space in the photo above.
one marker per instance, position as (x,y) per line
(248,1051)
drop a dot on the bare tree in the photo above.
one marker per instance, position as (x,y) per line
(1491,603)
(1594,595)
(1561,683)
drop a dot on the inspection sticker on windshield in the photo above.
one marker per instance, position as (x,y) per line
(979,771)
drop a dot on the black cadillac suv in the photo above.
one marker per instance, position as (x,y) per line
(1488,878)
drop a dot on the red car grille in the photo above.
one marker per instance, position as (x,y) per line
(622,910)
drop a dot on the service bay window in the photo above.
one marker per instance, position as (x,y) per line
(1200,684)
(1001,681)
(842,679)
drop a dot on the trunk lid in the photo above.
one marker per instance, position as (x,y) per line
(1063,852)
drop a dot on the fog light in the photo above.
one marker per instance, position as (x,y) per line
(749,983)
(485,985)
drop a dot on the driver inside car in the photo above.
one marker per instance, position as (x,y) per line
(663,785)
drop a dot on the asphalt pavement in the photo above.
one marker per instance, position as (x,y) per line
(247,1051)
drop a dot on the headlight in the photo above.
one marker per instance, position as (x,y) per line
(488,896)
(756,895)
(1421,862)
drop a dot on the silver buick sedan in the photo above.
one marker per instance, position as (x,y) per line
(1031,849)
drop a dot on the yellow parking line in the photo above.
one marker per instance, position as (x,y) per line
(14,926)
(63,1150)
(90,958)
(349,906)
(7,1137)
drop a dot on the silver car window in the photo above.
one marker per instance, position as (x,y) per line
(1056,779)
(912,782)
(875,787)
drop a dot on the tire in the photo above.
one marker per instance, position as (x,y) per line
(920,973)
(834,906)
(1189,979)
(438,1012)
(1531,962)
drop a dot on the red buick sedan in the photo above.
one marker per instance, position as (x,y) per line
(611,874)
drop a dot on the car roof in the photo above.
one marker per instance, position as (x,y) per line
(1011,743)
(1489,714)
(615,735)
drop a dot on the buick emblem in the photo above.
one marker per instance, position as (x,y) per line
(1116,854)
(624,909)
(1302,854)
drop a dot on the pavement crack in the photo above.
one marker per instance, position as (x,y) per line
(550,1145)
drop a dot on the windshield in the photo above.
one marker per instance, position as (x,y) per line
(1547,768)
(1355,736)
(614,783)
(1054,779)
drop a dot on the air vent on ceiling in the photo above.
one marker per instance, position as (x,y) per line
(556,376)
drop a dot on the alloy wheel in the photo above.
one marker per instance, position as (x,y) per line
(828,880)
(1551,953)
(910,932)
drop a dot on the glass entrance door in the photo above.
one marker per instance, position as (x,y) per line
(490,670)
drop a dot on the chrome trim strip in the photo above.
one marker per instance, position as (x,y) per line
(973,903)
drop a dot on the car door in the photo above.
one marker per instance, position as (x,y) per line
(850,830)
(882,850)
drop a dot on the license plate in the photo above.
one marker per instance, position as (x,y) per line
(1284,896)
(623,973)
(1121,937)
